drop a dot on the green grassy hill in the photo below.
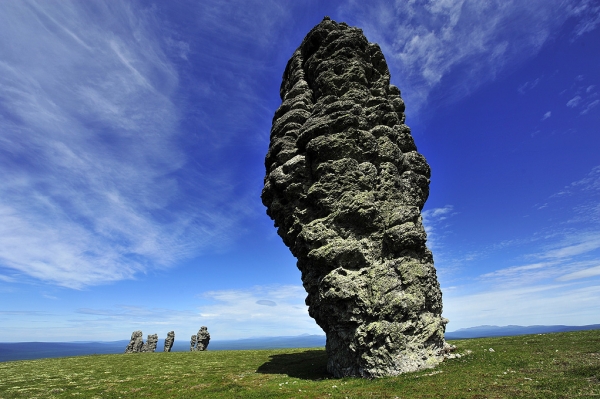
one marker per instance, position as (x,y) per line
(562,365)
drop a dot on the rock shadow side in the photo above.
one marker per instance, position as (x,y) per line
(345,186)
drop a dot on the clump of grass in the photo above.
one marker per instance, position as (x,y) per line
(563,365)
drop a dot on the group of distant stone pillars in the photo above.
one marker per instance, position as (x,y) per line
(199,342)
(136,343)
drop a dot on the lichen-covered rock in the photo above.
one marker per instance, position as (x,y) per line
(200,341)
(151,342)
(135,343)
(203,338)
(169,341)
(345,186)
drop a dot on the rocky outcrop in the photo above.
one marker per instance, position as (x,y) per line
(193,342)
(203,339)
(151,342)
(345,186)
(200,341)
(169,341)
(135,343)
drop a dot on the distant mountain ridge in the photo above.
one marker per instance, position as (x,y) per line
(503,331)
(37,350)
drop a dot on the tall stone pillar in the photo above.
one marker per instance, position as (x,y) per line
(345,186)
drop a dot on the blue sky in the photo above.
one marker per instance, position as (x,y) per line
(133,134)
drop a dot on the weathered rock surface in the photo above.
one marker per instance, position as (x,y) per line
(200,341)
(151,342)
(169,341)
(135,343)
(345,186)
(203,339)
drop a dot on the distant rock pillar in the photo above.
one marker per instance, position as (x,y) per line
(193,343)
(169,341)
(203,339)
(135,343)
(151,342)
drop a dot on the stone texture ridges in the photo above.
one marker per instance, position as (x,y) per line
(169,341)
(345,186)
(135,343)
(200,341)
(203,339)
(151,342)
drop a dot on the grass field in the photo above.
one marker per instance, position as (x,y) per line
(562,365)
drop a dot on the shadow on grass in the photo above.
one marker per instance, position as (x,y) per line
(588,371)
(307,365)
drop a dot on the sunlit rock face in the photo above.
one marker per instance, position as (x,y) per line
(345,186)
(169,341)
(135,343)
(200,341)
(151,342)
(203,339)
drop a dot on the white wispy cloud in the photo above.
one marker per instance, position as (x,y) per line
(232,52)
(137,315)
(583,95)
(547,115)
(91,189)
(591,182)
(434,222)
(538,274)
(525,87)
(109,323)
(589,107)
(426,41)
(275,310)
(573,245)
(551,277)
(22,313)
(546,304)
(242,312)
(517,272)
(589,11)
(572,103)
(437,214)
(7,279)
(569,248)
(581,188)
(585,273)
(266,302)
(213,14)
